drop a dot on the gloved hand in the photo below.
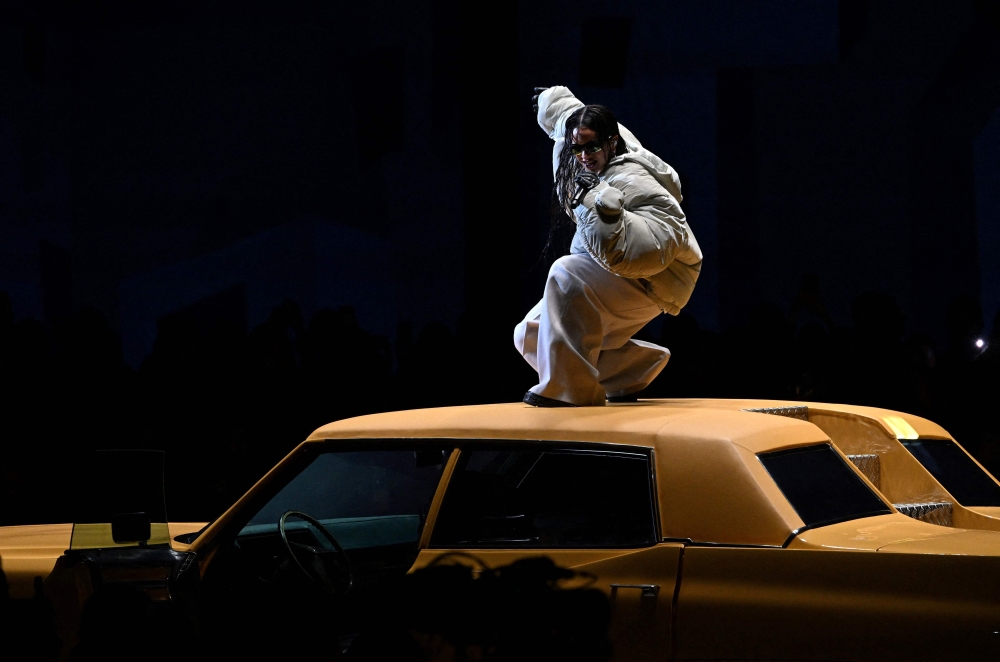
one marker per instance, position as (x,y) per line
(609,202)
(534,99)
(606,200)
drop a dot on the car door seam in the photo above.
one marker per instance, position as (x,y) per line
(674,604)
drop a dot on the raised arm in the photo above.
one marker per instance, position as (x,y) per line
(554,105)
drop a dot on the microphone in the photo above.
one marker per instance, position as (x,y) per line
(584,182)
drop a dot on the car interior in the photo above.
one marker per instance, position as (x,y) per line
(317,558)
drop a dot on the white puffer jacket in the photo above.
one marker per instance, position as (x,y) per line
(651,241)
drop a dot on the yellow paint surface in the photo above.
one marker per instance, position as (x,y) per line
(31,551)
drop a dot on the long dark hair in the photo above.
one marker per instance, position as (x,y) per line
(601,121)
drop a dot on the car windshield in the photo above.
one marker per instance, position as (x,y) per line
(955,470)
(820,485)
(364,498)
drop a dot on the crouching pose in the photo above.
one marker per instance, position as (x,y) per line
(633,255)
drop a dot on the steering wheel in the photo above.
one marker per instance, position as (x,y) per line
(315,562)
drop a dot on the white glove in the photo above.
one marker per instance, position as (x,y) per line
(609,203)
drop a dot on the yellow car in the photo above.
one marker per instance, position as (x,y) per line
(719,529)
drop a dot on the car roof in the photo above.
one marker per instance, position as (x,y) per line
(644,423)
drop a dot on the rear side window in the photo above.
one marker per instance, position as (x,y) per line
(547,499)
(955,470)
(820,486)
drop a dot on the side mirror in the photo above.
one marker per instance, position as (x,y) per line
(130,527)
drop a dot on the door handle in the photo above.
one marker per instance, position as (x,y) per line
(648,590)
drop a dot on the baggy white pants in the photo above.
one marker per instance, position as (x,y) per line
(579,336)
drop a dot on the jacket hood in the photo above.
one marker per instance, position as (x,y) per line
(661,171)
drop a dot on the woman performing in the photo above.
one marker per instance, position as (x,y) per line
(633,255)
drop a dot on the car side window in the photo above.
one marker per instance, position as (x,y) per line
(547,499)
(365,498)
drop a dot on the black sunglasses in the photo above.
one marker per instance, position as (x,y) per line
(593,147)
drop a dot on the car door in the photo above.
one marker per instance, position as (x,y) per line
(591,509)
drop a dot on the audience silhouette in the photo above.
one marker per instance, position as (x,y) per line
(28,626)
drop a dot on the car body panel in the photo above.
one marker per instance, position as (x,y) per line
(712,490)
(993,512)
(832,605)
(900,424)
(903,479)
(871,534)
(640,584)
(30,551)
(963,542)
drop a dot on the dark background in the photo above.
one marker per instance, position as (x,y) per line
(224,224)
